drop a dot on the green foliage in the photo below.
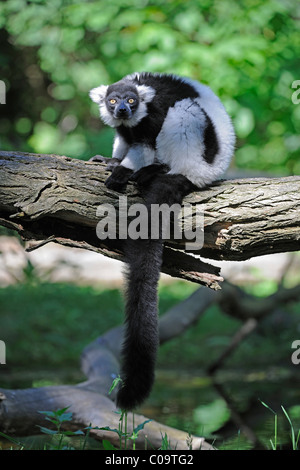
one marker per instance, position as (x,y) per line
(210,417)
(123,434)
(66,317)
(53,52)
(294,435)
(58,436)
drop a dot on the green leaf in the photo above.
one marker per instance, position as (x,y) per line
(58,416)
(11,439)
(47,431)
(141,426)
(114,384)
(212,416)
(107,428)
(292,428)
(108,446)
(267,406)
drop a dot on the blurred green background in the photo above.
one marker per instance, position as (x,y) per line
(51,54)
(54,52)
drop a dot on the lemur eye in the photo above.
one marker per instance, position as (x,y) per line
(131,101)
(112,101)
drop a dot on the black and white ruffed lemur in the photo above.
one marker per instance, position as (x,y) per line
(173,136)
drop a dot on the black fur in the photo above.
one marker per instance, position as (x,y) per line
(144,259)
(211,143)
(119,178)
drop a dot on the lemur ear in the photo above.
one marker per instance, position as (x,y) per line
(98,94)
(146,93)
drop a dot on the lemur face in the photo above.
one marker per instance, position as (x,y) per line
(122,104)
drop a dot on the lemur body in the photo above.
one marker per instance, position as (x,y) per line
(173,136)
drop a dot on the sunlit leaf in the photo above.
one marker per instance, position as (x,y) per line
(211,417)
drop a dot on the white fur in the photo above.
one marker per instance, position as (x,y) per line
(120,147)
(180,143)
(98,94)
(138,156)
(214,108)
(132,76)
(146,93)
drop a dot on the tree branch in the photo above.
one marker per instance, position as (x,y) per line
(52,198)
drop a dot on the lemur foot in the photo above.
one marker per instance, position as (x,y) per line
(119,178)
(110,162)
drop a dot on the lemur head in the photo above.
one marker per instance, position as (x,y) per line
(122,103)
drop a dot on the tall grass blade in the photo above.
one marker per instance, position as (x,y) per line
(294,445)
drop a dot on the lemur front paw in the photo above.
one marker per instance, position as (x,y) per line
(111,163)
(119,178)
(145,175)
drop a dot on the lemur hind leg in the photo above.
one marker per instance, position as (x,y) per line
(146,174)
(165,188)
(121,175)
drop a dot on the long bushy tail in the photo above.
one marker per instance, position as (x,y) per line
(141,333)
(144,259)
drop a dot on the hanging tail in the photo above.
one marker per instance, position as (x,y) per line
(144,259)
